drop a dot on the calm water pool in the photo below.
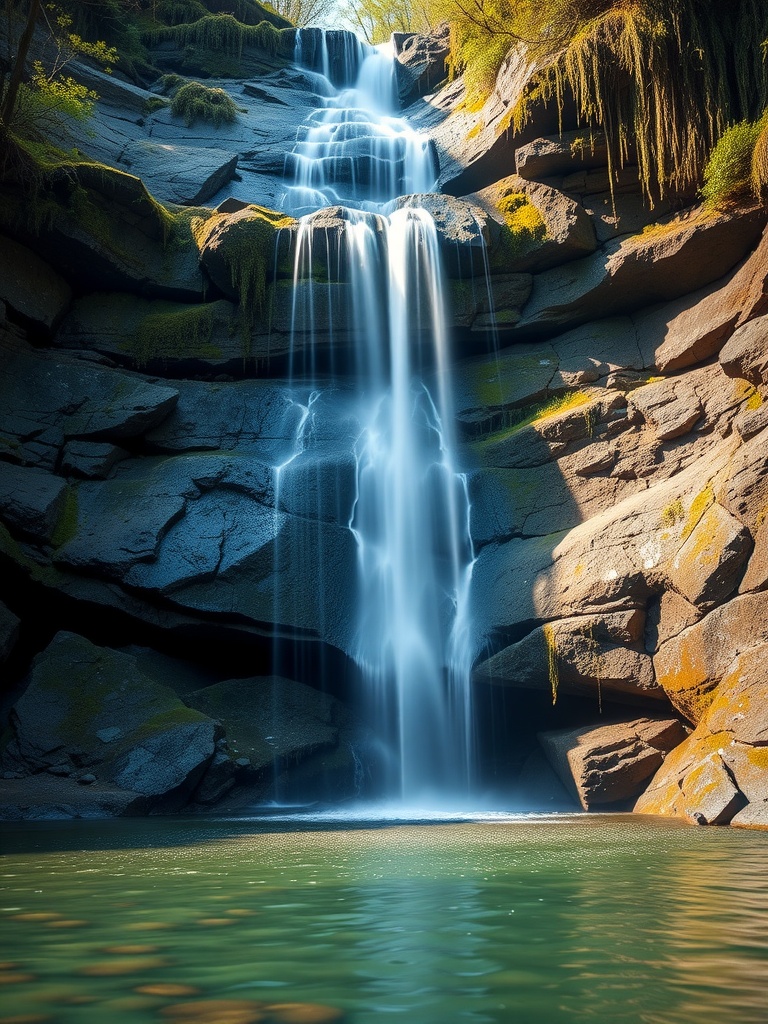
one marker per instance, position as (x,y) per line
(617,920)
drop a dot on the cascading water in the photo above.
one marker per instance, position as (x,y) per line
(409,512)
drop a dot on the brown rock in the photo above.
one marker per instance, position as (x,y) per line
(569,231)
(756,576)
(690,665)
(744,493)
(752,816)
(695,327)
(610,764)
(708,794)
(707,567)
(561,154)
(304,1013)
(668,617)
(680,257)
(588,654)
(724,763)
(216,1011)
(671,406)
(746,353)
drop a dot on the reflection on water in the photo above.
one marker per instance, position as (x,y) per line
(613,920)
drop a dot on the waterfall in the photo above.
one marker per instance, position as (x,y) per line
(410,510)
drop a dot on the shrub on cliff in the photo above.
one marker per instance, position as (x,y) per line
(197,102)
(736,170)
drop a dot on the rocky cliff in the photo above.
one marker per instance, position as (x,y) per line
(610,379)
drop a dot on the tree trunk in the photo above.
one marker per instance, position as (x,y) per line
(17,73)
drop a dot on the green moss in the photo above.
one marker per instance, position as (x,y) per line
(197,102)
(523,230)
(155,103)
(173,335)
(66,527)
(164,721)
(672,514)
(248,250)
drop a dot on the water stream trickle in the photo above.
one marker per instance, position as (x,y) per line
(410,510)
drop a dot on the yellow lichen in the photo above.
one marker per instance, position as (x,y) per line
(552,668)
(698,507)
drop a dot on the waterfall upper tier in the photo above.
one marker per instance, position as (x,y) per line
(355,149)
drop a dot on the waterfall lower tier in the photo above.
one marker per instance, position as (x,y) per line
(408,508)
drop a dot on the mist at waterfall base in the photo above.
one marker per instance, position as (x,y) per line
(407,505)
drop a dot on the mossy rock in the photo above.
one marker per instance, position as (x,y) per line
(89,707)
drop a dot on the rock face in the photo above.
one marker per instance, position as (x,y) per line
(610,384)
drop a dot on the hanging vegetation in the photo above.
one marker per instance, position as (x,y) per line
(224,34)
(666,77)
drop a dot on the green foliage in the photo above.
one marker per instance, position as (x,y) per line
(197,102)
(376,20)
(155,103)
(728,174)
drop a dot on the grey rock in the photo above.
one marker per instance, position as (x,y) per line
(93,460)
(569,232)
(31,287)
(420,62)
(31,501)
(187,175)
(163,747)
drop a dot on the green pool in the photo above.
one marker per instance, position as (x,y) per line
(528,920)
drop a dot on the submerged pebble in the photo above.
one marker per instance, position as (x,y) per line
(110,968)
(130,950)
(167,988)
(303,1013)
(15,978)
(216,1011)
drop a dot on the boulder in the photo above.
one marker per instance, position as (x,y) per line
(561,155)
(590,655)
(721,770)
(89,710)
(678,257)
(240,251)
(746,353)
(463,229)
(537,226)
(288,733)
(32,502)
(689,666)
(30,287)
(610,764)
(45,797)
(595,350)
(420,64)
(186,175)
(9,632)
